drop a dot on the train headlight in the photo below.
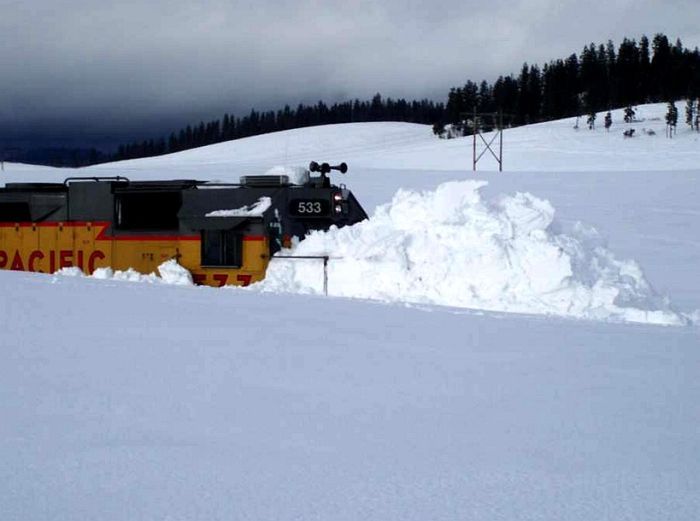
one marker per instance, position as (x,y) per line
(337,198)
(338,208)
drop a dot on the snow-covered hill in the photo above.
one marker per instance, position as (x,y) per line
(133,401)
(545,147)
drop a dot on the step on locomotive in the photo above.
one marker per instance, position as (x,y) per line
(223,233)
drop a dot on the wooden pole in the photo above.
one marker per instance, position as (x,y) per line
(500,141)
(474,130)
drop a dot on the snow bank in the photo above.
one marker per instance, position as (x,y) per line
(451,247)
(170,273)
(254,210)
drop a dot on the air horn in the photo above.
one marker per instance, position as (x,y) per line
(325,168)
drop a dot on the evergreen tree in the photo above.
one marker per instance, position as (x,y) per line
(612,77)
(690,109)
(644,71)
(608,121)
(671,119)
(591,120)
(572,86)
(534,109)
(522,115)
(172,143)
(439,128)
(629,114)
(661,68)
(628,72)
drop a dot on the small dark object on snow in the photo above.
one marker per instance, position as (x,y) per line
(649,132)
(628,133)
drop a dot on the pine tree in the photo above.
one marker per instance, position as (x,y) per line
(690,110)
(644,70)
(523,116)
(608,121)
(629,114)
(661,68)
(172,143)
(591,120)
(612,75)
(671,119)
(628,72)
(439,128)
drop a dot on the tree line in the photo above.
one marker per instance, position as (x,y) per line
(600,78)
(230,127)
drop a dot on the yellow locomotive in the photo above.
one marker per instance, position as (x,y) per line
(222,233)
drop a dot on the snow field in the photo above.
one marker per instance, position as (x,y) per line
(145,402)
(452,247)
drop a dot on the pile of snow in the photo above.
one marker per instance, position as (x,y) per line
(297,175)
(170,273)
(451,247)
(255,210)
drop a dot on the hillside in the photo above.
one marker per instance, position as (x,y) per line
(552,146)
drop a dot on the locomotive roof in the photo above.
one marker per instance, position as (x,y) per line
(122,183)
(35,187)
(177,184)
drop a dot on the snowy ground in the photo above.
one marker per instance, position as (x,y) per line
(127,401)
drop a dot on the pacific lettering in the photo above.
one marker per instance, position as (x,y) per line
(35,260)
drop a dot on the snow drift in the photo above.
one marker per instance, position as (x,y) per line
(451,247)
(170,273)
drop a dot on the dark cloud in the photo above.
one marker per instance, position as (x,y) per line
(99,69)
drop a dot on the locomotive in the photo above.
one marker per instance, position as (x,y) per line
(223,233)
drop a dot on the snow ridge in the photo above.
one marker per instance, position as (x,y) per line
(451,247)
(256,209)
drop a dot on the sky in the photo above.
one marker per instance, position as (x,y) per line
(103,72)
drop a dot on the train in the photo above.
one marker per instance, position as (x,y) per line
(223,233)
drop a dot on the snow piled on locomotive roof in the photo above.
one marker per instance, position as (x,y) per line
(298,175)
(452,247)
(254,210)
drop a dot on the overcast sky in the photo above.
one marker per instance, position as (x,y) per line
(105,70)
